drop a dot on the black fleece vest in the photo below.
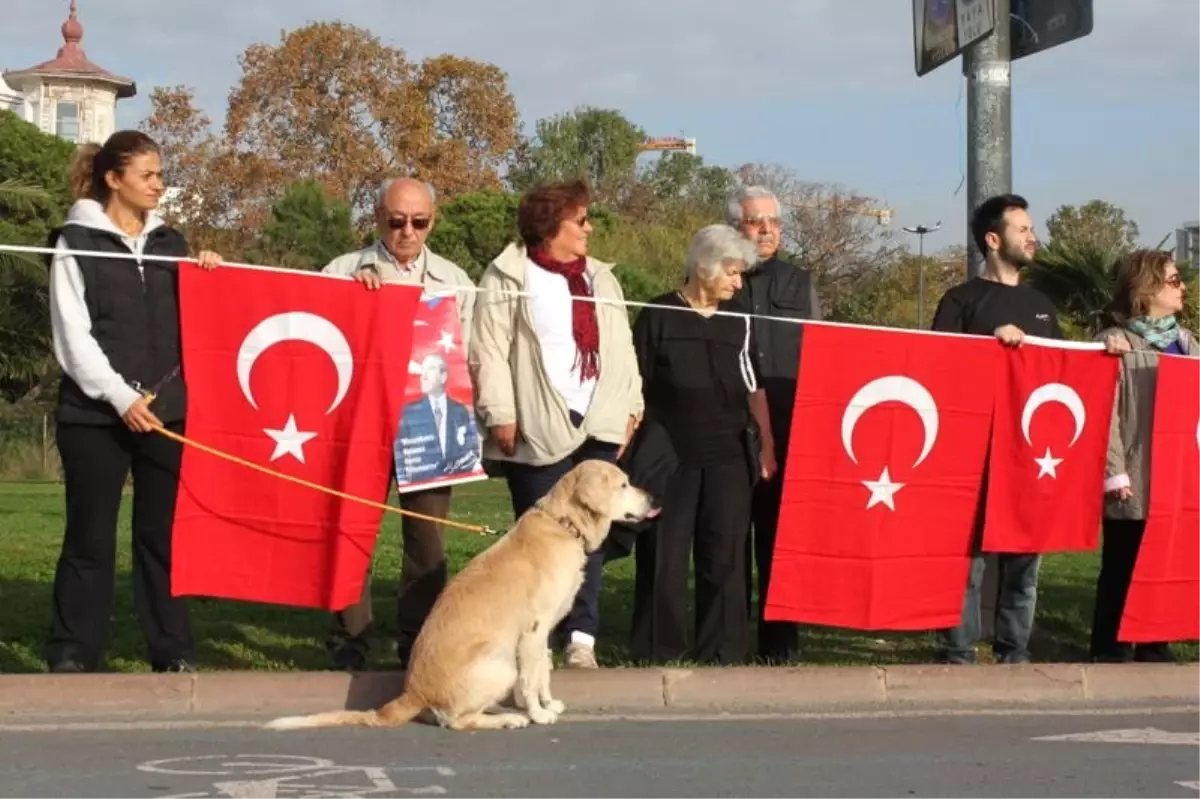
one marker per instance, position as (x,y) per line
(135,319)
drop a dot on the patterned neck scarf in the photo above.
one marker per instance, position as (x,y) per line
(1161,332)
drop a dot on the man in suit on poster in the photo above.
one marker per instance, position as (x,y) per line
(437,436)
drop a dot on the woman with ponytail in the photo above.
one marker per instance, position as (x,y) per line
(115,321)
(555,374)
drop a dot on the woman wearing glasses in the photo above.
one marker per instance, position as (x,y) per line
(555,374)
(1148,296)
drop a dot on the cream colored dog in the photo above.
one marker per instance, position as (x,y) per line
(487,636)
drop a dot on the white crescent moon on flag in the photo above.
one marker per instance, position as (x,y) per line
(296,326)
(893,388)
(1054,392)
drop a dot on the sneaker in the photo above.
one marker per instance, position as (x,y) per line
(177,666)
(580,656)
(67,666)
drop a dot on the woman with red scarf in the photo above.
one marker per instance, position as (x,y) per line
(555,373)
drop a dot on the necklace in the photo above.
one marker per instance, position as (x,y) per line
(703,310)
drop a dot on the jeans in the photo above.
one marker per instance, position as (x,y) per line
(1014,612)
(526,485)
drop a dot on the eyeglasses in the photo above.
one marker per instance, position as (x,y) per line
(1174,281)
(401,221)
(761,221)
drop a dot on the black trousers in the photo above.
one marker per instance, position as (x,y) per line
(96,461)
(526,485)
(778,641)
(705,518)
(1118,554)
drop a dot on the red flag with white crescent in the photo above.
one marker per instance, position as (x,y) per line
(303,374)
(883,477)
(1164,595)
(1045,485)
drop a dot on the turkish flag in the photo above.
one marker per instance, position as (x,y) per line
(882,482)
(1049,445)
(303,374)
(1164,596)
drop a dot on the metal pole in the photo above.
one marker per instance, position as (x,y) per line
(921,279)
(987,65)
(920,231)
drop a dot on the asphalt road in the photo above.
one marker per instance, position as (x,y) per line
(957,755)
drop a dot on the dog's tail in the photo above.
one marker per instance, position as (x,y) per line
(396,713)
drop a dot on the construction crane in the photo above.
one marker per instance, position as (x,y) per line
(669,144)
(855,206)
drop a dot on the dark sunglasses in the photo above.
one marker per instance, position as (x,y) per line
(1174,281)
(399,222)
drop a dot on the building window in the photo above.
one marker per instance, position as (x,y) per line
(67,121)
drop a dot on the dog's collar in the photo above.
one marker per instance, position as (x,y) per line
(566,524)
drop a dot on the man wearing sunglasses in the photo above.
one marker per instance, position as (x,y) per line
(404,216)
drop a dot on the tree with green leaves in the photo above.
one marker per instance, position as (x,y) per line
(474,228)
(305,230)
(599,145)
(1076,267)
(33,201)
(1077,276)
(1095,224)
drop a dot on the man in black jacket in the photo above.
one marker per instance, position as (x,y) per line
(777,288)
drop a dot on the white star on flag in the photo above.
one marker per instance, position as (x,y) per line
(290,440)
(1048,465)
(446,341)
(883,490)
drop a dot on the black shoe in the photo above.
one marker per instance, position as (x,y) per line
(347,652)
(1154,653)
(67,666)
(1121,653)
(348,658)
(176,666)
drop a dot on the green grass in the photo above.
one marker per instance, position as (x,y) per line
(240,635)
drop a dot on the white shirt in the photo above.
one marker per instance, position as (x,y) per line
(551,306)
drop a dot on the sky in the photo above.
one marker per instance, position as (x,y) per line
(825,87)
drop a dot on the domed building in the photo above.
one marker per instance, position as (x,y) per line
(67,96)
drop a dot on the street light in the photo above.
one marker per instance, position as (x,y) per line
(921,230)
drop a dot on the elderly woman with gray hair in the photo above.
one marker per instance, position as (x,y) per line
(700,386)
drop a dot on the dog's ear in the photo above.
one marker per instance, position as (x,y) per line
(594,488)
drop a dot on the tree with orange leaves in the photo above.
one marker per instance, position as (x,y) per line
(333,104)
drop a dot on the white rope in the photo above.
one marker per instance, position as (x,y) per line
(746,363)
(1035,340)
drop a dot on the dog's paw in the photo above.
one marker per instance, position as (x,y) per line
(542,715)
(556,707)
(514,721)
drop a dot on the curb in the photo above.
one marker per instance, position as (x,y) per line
(645,691)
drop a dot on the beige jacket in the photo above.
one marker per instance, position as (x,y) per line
(1132,424)
(510,380)
(437,275)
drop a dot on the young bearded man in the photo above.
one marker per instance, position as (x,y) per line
(998,304)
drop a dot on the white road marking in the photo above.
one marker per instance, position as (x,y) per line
(1145,735)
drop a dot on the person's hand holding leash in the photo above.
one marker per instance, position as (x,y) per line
(139,418)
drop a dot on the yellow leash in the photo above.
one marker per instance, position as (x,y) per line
(473,528)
